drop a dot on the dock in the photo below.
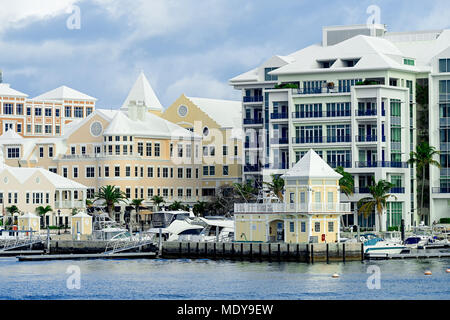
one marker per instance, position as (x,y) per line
(14,253)
(299,252)
(413,255)
(133,255)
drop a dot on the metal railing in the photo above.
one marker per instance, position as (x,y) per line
(441,190)
(380,164)
(252,168)
(324,90)
(324,139)
(320,114)
(291,207)
(253,99)
(253,121)
(67,204)
(279,115)
(279,140)
(369,138)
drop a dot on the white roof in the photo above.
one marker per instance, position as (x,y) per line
(29,215)
(311,165)
(227,113)
(81,214)
(64,93)
(5,90)
(151,126)
(142,91)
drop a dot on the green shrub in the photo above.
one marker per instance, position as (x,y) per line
(286,86)
(444,220)
(396,228)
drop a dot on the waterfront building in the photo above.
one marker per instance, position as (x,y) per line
(352,98)
(310,211)
(29,188)
(132,148)
(219,122)
(45,115)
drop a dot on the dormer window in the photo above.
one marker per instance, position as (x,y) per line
(409,62)
(349,63)
(326,64)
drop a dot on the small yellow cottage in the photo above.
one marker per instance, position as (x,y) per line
(28,222)
(81,224)
(310,212)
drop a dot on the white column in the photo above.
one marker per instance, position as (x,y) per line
(60,198)
(72,203)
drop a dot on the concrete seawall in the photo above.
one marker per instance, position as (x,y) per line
(86,247)
(301,252)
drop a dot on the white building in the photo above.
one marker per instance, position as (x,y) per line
(352,99)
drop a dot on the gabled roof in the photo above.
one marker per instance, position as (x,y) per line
(5,90)
(311,165)
(64,93)
(150,126)
(227,113)
(142,91)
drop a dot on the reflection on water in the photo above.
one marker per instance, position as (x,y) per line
(207,279)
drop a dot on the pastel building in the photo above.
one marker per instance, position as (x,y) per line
(45,115)
(310,212)
(29,188)
(219,123)
(352,98)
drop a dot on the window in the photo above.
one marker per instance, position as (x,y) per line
(68,112)
(136,169)
(28,128)
(19,109)
(117,171)
(165,172)
(317,226)
(225,150)
(212,170)
(128,193)
(7,108)
(409,62)
(13,153)
(90,172)
(180,193)
(267,76)
(444,65)
(205,151)
(28,111)
(330,226)
(50,152)
(125,150)
(38,128)
(88,111)
(180,150)
(291,227)
(75,172)
(90,194)
(148,149)
(157,149)
(205,170)
(188,173)
(188,193)
(235,151)
(140,148)
(38,112)
(41,152)
(180,173)
(57,130)
(57,113)
(303,226)
(48,112)
(48,129)
(78,112)
(127,171)
(149,172)
(212,151)
(65,172)
(225,170)
(117,149)
(149,192)
(54,170)
(165,192)
(188,151)
(171,172)
(106,171)
(72,150)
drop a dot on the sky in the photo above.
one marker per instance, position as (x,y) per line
(183,46)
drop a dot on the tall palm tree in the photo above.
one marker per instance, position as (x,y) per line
(176,205)
(423,158)
(346,183)
(276,186)
(157,200)
(110,195)
(136,203)
(377,201)
(42,211)
(246,190)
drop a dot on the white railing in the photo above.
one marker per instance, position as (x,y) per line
(291,207)
(67,204)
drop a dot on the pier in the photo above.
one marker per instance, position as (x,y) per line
(413,255)
(132,255)
(300,252)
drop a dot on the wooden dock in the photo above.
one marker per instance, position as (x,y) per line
(133,255)
(413,255)
(14,253)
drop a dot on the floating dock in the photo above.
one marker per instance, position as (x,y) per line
(412,255)
(300,252)
(132,255)
(14,253)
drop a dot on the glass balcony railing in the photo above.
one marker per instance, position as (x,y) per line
(361,190)
(369,112)
(441,190)
(325,90)
(284,140)
(397,190)
(320,114)
(380,164)
(327,139)
(253,121)
(253,98)
(252,168)
(371,138)
(280,115)
(343,164)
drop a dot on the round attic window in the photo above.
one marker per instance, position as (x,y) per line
(205,131)
(96,129)
(182,111)
(38,180)
(5,180)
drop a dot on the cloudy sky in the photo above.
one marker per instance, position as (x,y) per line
(183,46)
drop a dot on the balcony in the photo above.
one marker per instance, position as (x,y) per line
(321,114)
(325,90)
(361,190)
(343,164)
(252,168)
(381,164)
(280,115)
(253,99)
(67,204)
(252,144)
(284,140)
(278,166)
(304,140)
(366,113)
(397,190)
(441,190)
(371,138)
(253,121)
(303,208)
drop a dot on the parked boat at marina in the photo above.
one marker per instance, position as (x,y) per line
(380,246)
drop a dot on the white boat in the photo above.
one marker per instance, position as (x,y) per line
(163,219)
(378,246)
(221,230)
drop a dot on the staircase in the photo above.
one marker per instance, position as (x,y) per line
(126,244)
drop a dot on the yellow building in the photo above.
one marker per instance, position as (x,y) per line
(219,122)
(310,212)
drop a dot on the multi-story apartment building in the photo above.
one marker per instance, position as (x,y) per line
(45,115)
(352,99)
(219,122)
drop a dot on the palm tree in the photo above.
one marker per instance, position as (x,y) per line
(346,183)
(110,195)
(246,190)
(276,186)
(136,203)
(11,210)
(423,158)
(377,201)
(176,205)
(42,211)
(157,200)
(199,208)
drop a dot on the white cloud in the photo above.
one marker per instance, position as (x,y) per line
(20,13)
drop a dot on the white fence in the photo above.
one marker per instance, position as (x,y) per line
(291,207)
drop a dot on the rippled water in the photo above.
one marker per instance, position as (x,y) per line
(207,279)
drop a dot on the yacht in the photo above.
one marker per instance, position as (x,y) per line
(378,246)
(104,228)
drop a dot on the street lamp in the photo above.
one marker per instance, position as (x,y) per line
(59,222)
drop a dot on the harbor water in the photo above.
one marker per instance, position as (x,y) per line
(208,279)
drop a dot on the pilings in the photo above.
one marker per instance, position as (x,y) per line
(300,252)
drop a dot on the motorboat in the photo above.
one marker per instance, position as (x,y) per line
(220,230)
(378,246)
(104,228)
(163,219)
